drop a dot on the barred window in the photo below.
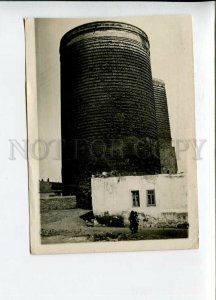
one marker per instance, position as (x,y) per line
(135,198)
(151,198)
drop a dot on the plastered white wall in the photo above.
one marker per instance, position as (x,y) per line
(113,194)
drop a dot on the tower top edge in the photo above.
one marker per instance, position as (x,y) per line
(157,81)
(100,26)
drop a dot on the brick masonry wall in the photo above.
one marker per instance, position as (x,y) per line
(106,95)
(167,152)
(161,109)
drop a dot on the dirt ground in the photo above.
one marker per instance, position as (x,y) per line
(66,226)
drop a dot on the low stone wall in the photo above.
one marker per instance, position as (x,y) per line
(178,220)
(57,203)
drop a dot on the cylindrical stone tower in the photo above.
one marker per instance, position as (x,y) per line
(107,105)
(167,152)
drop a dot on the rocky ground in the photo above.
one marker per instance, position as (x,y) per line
(66,226)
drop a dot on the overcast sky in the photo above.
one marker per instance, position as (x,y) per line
(170,40)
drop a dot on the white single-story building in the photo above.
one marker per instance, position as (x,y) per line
(161,196)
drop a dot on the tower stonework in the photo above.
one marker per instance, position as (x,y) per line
(167,151)
(108,115)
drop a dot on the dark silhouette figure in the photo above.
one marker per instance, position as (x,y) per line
(134,222)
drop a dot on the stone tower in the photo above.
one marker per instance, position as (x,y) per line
(167,152)
(108,114)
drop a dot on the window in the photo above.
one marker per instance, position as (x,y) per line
(136,199)
(151,198)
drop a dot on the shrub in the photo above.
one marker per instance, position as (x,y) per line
(111,220)
(184,225)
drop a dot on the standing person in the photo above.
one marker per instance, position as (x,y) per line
(136,222)
(131,219)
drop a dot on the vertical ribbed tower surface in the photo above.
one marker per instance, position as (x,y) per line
(107,105)
(167,152)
